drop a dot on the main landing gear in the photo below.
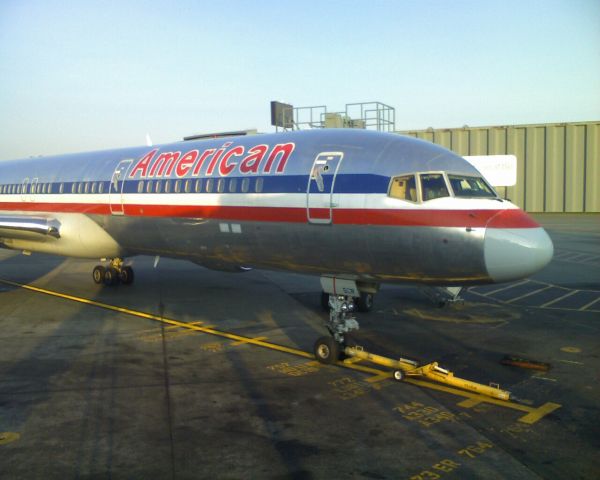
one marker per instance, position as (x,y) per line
(114,273)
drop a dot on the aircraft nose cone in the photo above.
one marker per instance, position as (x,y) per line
(514,253)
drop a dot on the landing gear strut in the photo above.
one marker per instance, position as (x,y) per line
(364,302)
(114,273)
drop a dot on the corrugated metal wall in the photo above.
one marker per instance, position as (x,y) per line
(558,164)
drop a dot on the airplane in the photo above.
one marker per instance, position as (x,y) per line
(356,207)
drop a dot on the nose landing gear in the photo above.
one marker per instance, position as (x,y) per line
(113,274)
(341,321)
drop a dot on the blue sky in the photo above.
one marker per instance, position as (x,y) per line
(77,75)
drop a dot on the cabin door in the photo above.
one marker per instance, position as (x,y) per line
(319,193)
(117,187)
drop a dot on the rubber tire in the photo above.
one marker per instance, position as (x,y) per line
(98,274)
(325,301)
(399,375)
(111,276)
(326,350)
(364,303)
(126,275)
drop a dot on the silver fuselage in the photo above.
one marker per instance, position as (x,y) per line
(315,202)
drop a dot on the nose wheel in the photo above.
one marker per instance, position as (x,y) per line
(114,273)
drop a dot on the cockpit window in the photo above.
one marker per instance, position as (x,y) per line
(433,186)
(404,188)
(465,186)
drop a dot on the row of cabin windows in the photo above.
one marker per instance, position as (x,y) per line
(436,185)
(199,185)
(44,188)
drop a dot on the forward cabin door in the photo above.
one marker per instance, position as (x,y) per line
(319,193)
(117,186)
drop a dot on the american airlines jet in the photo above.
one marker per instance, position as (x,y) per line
(357,208)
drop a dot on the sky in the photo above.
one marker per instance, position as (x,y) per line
(90,75)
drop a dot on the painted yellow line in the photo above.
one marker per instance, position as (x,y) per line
(169,321)
(378,378)
(539,412)
(243,342)
(533,414)
(469,403)
(9,437)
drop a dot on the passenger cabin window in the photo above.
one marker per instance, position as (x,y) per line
(245,184)
(101,187)
(149,186)
(433,186)
(140,188)
(221,185)
(258,186)
(404,188)
(209,185)
(198,188)
(232,185)
(465,186)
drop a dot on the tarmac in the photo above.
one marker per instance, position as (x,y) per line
(191,373)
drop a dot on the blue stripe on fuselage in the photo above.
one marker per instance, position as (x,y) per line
(344,183)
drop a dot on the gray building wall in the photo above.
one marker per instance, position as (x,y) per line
(558,165)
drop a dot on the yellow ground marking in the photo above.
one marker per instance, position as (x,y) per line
(380,377)
(533,414)
(243,342)
(571,349)
(157,318)
(9,437)
(452,319)
(539,412)
(351,360)
(153,330)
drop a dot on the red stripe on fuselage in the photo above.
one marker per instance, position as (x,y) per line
(510,218)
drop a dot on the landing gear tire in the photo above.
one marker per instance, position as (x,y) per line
(364,303)
(98,274)
(111,276)
(126,275)
(327,350)
(399,375)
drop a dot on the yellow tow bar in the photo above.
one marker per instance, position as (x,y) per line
(431,371)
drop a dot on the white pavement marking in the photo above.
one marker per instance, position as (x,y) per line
(529,294)
(573,292)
